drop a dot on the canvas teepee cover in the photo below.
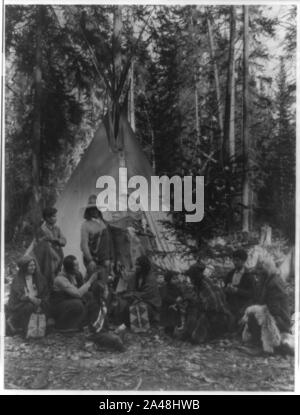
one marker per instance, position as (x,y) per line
(99,160)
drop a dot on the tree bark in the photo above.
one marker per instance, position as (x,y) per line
(37,119)
(232,113)
(246,189)
(229,103)
(153,162)
(216,76)
(153,149)
(265,235)
(197,118)
(117,58)
(131,107)
(117,68)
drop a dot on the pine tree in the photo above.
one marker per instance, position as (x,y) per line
(49,74)
(284,163)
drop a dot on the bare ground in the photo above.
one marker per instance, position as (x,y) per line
(151,362)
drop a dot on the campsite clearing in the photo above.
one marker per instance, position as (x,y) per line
(151,362)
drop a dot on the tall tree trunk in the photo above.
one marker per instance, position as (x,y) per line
(216,76)
(36,153)
(197,118)
(229,87)
(152,149)
(232,113)
(153,157)
(246,206)
(197,121)
(196,96)
(131,107)
(117,67)
(117,56)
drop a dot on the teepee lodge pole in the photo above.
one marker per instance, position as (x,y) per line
(246,189)
(117,72)
(123,182)
(37,118)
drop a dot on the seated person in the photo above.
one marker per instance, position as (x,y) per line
(28,294)
(239,285)
(207,313)
(74,303)
(171,296)
(269,318)
(48,250)
(142,286)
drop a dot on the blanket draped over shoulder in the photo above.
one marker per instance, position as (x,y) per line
(148,292)
(48,251)
(271,291)
(24,292)
(18,295)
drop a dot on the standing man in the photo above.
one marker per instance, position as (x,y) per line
(96,242)
(49,243)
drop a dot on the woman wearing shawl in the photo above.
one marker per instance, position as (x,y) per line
(28,293)
(268,321)
(142,286)
(271,291)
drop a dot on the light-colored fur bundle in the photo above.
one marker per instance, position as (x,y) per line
(270,334)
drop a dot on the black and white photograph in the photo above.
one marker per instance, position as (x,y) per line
(149,197)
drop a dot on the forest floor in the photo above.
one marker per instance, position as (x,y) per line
(151,362)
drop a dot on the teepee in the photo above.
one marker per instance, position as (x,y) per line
(101,160)
(113,146)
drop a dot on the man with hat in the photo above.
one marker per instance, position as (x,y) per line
(96,242)
(207,314)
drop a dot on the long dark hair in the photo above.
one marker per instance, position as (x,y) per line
(145,265)
(195,273)
(68,263)
(88,213)
(23,265)
(37,277)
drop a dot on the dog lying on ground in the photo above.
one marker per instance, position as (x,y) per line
(270,336)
